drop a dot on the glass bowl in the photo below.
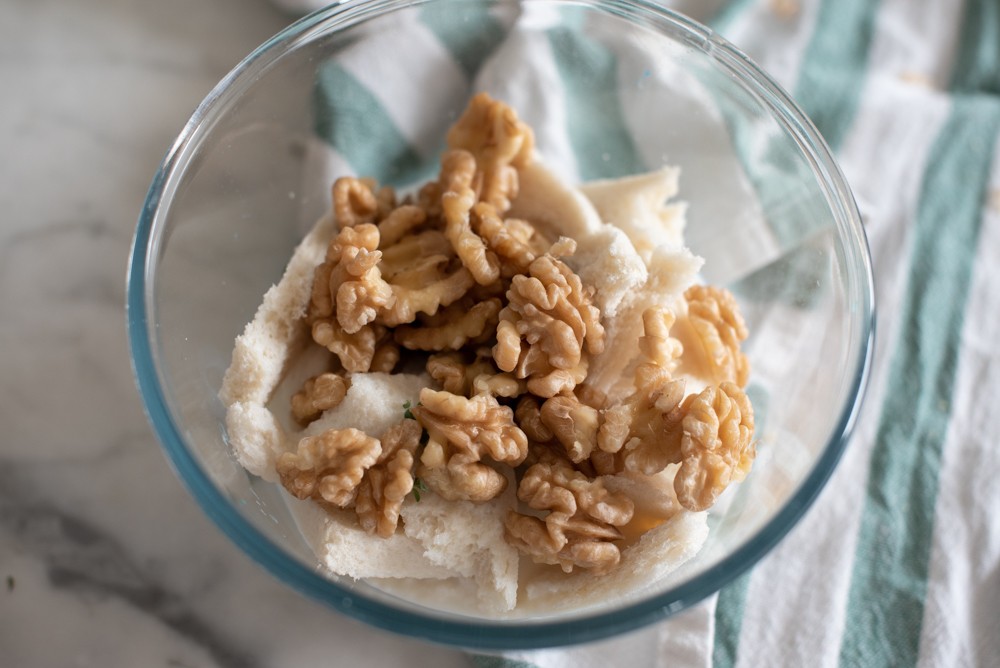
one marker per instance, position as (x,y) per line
(611,87)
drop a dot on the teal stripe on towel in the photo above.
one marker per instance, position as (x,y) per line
(600,139)
(351,119)
(830,81)
(729,621)
(889,583)
(977,69)
(832,76)
(833,67)
(469,32)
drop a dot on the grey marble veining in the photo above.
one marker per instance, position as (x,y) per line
(104,559)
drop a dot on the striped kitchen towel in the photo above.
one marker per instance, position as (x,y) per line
(898,561)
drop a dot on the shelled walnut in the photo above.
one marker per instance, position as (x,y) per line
(456,209)
(528,416)
(328,467)
(356,352)
(659,350)
(548,326)
(462,433)
(408,302)
(459,374)
(574,425)
(643,433)
(420,251)
(318,394)
(387,482)
(452,327)
(348,287)
(516,243)
(399,222)
(715,317)
(455,372)
(354,202)
(580,527)
(717,446)
(350,252)
(500,143)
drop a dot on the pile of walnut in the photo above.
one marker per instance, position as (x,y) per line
(507,329)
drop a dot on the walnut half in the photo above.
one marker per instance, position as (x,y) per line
(389,480)
(461,374)
(717,445)
(582,519)
(451,328)
(461,433)
(328,467)
(548,327)
(318,394)
(501,144)
(718,324)
(643,434)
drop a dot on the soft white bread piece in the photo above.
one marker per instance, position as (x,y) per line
(468,539)
(256,438)
(671,272)
(374,402)
(346,549)
(277,330)
(638,206)
(460,541)
(261,353)
(550,203)
(607,260)
(440,540)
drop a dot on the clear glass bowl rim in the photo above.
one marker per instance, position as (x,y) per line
(500,634)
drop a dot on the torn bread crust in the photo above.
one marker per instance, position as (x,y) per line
(261,353)
(277,331)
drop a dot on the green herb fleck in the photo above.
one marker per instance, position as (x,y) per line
(418,486)
(407,414)
(10,583)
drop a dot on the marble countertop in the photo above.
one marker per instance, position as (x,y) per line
(104,558)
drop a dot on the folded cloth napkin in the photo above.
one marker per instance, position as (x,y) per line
(898,561)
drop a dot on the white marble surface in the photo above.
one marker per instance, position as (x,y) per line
(104,559)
